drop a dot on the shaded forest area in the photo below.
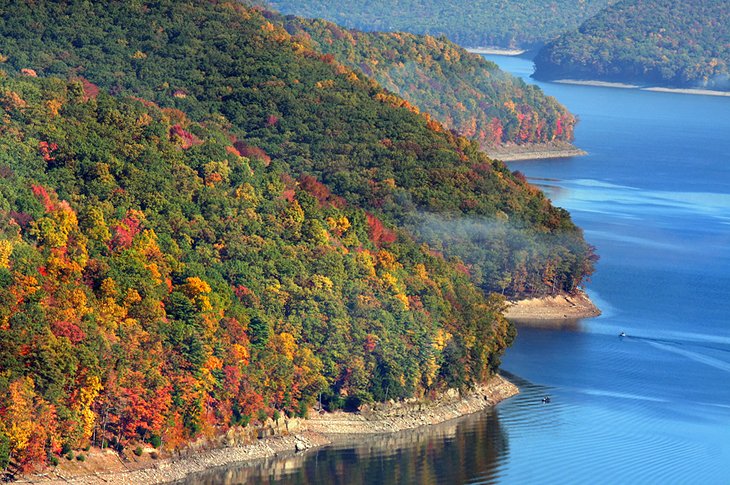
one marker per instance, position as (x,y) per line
(484,23)
(657,42)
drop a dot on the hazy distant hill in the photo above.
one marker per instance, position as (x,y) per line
(505,23)
(666,42)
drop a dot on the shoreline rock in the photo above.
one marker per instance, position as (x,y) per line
(557,308)
(315,431)
(534,151)
(413,413)
(496,51)
(657,89)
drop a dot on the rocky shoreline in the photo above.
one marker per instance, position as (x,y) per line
(658,89)
(694,91)
(413,413)
(552,308)
(290,437)
(534,151)
(602,84)
(495,51)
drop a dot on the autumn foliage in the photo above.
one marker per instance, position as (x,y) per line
(182,266)
(250,151)
(159,317)
(183,137)
(379,234)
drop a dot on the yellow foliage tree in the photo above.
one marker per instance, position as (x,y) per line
(6,249)
(89,392)
(197,290)
(19,414)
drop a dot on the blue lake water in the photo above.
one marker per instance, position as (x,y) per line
(654,407)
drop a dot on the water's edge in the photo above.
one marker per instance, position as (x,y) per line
(316,431)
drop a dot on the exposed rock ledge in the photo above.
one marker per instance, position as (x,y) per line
(560,307)
(533,151)
(497,51)
(412,413)
(290,437)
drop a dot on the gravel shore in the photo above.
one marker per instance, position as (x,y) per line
(553,308)
(660,89)
(534,151)
(496,51)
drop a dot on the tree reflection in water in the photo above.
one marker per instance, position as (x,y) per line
(473,448)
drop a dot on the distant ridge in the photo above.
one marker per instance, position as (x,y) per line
(647,42)
(523,24)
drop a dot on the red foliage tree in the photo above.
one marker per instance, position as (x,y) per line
(91,90)
(371,342)
(252,152)
(46,149)
(44,197)
(320,192)
(23,219)
(233,151)
(69,330)
(125,231)
(184,137)
(379,234)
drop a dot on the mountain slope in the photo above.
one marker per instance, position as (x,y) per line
(300,106)
(682,44)
(508,23)
(464,91)
(158,286)
(205,223)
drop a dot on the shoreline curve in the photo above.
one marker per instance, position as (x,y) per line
(315,431)
(557,308)
(534,151)
(656,89)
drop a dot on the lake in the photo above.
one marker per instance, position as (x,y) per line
(653,407)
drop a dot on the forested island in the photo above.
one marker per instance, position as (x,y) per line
(646,42)
(206,223)
(510,24)
(464,91)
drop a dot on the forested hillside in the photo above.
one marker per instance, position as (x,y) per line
(664,42)
(157,285)
(301,106)
(464,91)
(507,23)
(204,222)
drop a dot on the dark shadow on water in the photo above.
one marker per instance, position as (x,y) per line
(469,449)
(561,324)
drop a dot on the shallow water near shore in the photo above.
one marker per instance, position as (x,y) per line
(654,407)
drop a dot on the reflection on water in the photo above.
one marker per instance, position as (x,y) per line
(471,449)
(567,324)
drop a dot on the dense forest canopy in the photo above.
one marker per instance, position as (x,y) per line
(683,44)
(157,285)
(204,222)
(483,23)
(464,91)
(298,105)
